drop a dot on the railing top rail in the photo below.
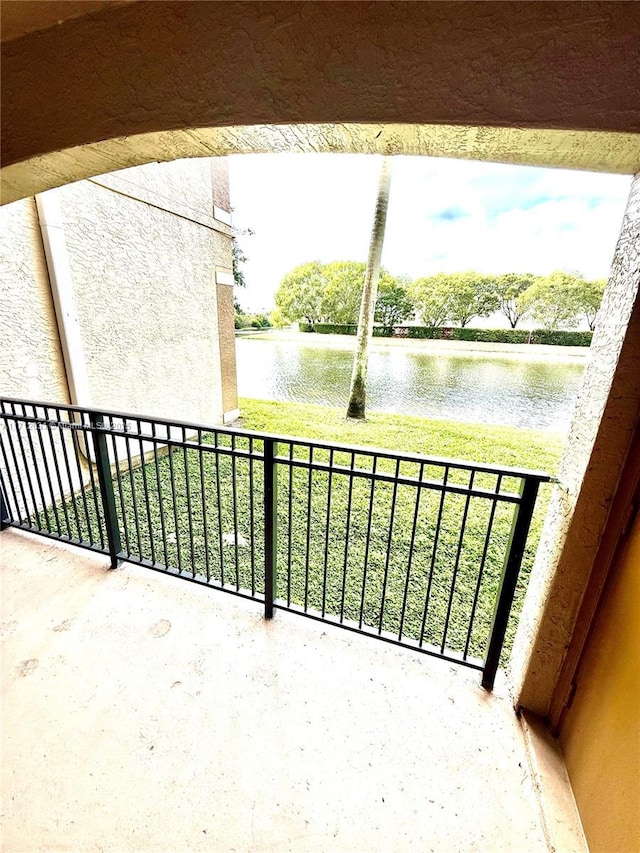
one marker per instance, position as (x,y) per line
(504,470)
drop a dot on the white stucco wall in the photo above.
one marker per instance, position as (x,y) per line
(143,249)
(30,357)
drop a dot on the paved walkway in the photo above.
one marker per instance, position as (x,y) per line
(144,713)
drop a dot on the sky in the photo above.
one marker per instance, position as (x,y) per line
(444,216)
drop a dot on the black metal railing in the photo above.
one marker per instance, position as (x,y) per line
(422,552)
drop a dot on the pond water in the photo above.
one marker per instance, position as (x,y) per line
(471,388)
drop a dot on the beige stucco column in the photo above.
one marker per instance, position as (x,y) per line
(605,416)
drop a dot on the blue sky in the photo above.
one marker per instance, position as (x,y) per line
(444,215)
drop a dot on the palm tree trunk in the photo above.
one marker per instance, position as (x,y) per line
(357,394)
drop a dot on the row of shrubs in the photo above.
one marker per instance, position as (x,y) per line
(494,336)
(345,329)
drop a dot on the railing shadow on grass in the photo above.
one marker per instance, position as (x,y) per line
(421,552)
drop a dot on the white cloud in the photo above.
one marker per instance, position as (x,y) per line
(443,215)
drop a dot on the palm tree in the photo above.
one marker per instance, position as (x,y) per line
(357,394)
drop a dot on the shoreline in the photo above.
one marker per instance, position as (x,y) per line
(524,352)
(383,415)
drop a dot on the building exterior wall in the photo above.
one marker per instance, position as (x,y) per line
(31,362)
(144,250)
(143,255)
(601,733)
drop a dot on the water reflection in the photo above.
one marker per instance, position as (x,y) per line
(537,394)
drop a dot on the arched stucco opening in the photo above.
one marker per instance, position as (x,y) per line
(519,83)
(592,151)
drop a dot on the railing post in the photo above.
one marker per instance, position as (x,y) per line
(106,488)
(270,525)
(4,512)
(510,572)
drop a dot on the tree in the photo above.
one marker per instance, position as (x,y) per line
(278,320)
(509,289)
(589,298)
(301,293)
(431,297)
(357,394)
(553,300)
(240,316)
(343,293)
(394,304)
(238,257)
(471,295)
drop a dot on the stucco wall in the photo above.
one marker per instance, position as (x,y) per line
(604,419)
(144,286)
(30,357)
(223,64)
(601,734)
(520,82)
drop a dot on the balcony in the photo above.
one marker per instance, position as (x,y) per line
(144,713)
(187,720)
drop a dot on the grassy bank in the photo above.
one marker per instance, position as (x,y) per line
(344,546)
(519,448)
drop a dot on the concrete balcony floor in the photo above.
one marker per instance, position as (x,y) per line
(143,713)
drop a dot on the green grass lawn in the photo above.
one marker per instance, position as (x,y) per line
(519,448)
(344,547)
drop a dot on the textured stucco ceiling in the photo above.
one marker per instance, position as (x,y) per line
(545,83)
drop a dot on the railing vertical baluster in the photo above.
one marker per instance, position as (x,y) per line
(27,513)
(234,489)
(4,512)
(45,463)
(36,468)
(219,506)
(160,500)
(456,565)
(26,468)
(203,499)
(308,539)
(290,525)
(173,499)
(86,429)
(412,543)
(65,456)
(16,501)
(132,483)
(434,553)
(346,538)
(106,487)
(513,561)
(270,525)
(56,466)
(326,535)
(483,560)
(143,468)
(368,539)
(252,537)
(187,481)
